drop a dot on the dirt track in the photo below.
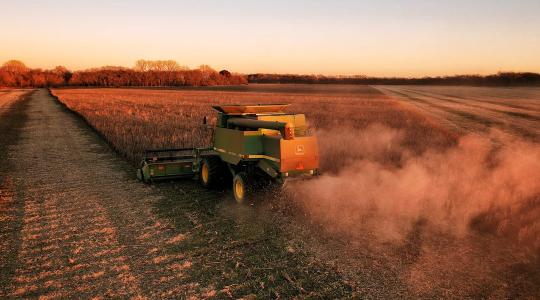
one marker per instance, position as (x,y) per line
(85,227)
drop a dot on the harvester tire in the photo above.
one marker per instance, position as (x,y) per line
(242,188)
(141,174)
(212,172)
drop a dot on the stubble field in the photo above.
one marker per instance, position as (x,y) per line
(427,191)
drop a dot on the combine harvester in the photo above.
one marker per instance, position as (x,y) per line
(251,144)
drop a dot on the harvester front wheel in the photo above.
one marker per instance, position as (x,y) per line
(242,188)
(140,176)
(211,171)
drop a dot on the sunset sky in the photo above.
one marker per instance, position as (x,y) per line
(378,38)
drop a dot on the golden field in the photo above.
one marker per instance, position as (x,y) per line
(134,119)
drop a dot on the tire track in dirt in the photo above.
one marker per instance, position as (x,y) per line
(481,104)
(500,102)
(517,97)
(521,117)
(465,115)
(525,99)
(455,120)
(86,229)
(518,122)
(521,121)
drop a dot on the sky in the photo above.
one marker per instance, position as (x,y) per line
(376,38)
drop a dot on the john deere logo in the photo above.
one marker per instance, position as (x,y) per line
(299,150)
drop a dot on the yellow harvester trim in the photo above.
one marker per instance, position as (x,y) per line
(239,190)
(205,173)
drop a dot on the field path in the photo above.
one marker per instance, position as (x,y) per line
(73,223)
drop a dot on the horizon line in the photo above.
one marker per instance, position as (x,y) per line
(482,74)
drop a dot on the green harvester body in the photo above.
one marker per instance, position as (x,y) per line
(257,140)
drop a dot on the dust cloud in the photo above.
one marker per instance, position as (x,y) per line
(373,182)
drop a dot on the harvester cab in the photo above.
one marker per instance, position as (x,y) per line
(251,144)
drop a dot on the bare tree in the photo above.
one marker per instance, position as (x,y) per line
(142,65)
(15,66)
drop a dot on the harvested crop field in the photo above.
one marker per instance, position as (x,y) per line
(515,111)
(426,192)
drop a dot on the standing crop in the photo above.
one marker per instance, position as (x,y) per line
(133,120)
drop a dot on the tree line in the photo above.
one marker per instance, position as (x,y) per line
(152,73)
(156,73)
(499,79)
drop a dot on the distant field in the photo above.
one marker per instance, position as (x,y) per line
(473,109)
